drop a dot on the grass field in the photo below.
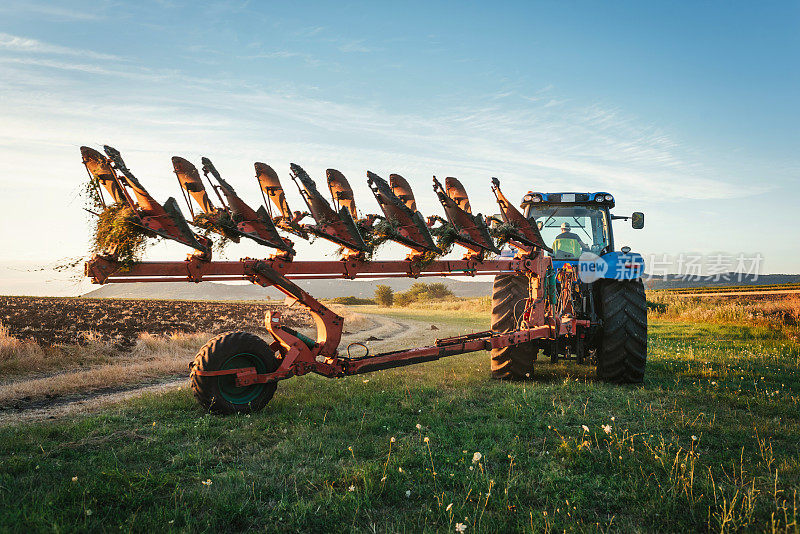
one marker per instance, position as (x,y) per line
(734,288)
(710,442)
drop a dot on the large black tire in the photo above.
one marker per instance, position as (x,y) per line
(622,354)
(508,302)
(233,350)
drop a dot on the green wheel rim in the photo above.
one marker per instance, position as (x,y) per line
(227,383)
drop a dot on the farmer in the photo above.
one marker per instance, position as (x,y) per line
(568,244)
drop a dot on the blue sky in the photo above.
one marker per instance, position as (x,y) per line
(687,111)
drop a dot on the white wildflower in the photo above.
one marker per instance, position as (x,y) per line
(351,488)
(449,506)
(476,457)
(607,429)
(427,439)
(408,493)
(585,428)
(419,426)
(206,482)
(461,527)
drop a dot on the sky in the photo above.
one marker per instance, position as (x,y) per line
(687,111)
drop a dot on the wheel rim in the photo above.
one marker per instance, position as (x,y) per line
(227,383)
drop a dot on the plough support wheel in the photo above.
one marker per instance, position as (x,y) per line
(219,393)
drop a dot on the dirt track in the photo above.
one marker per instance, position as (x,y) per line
(385,334)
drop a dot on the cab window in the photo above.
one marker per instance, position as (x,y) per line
(587,228)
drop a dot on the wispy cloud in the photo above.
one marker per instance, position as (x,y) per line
(60,65)
(15,43)
(568,145)
(552,140)
(355,46)
(73,12)
(316,30)
(308,59)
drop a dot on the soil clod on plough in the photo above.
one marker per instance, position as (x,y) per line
(240,387)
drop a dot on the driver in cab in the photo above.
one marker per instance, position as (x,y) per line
(568,244)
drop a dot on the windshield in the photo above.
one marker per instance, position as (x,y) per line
(570,229)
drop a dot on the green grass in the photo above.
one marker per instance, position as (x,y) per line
(710,442)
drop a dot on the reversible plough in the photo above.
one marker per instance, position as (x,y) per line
(238,371)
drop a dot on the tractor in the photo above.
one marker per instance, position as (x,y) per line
(608,292)
(560,287)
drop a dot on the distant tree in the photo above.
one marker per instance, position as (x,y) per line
(437,291)
(403,299)
(352,301)
(384,295)
(421,292)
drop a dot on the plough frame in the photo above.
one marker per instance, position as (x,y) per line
(547,317)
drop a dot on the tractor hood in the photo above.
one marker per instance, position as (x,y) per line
(612,265)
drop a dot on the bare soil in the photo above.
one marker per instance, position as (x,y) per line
(54,320)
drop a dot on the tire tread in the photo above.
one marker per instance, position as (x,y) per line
(622,357)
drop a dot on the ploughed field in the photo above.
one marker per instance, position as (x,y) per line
(53,320)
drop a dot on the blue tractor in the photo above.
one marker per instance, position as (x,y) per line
(607,290)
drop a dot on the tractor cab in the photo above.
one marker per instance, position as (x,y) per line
(574,223)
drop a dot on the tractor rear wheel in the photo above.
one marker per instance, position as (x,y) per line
(622,353)
(508,303)
(233,350)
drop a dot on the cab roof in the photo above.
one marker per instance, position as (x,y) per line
(600,198)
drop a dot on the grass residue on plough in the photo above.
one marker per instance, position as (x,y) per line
(116,231)
(218,226)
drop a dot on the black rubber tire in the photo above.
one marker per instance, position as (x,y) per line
(622,354)
(508,295)
(212,357)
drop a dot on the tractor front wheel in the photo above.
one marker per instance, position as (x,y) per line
(508,303)
(622,354)
(233,350)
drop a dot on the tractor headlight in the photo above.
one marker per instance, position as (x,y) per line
(609,198)
(598,198)
(536,198)
(527,198)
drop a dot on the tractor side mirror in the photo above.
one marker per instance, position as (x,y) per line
(637,220)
